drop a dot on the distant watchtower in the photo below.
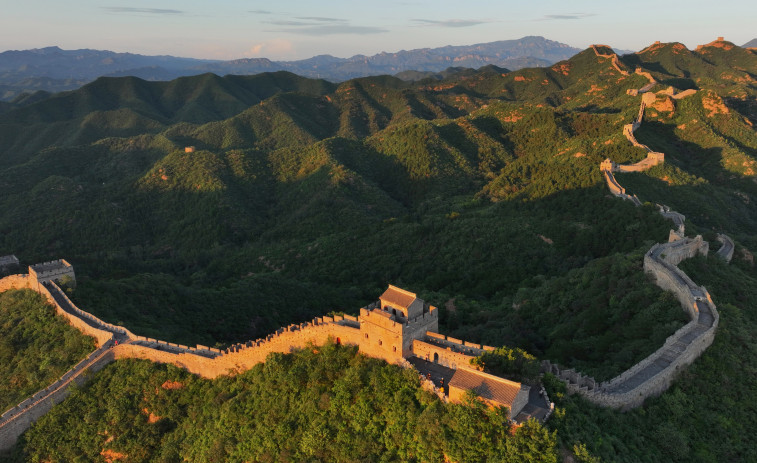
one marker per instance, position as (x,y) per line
(388,329)
(54,270)
(608,165)
(8,263)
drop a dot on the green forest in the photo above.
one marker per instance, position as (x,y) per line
(479,191)
(36,346)
(333,405)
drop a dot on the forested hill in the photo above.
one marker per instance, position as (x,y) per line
(313,195)
(480,191)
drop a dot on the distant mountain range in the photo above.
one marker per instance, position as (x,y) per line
(52,69)
(751,44)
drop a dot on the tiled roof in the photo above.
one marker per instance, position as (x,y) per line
(398,297)
(486,386)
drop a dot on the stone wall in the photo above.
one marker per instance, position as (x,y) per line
(654,374)
(293,337)
(446,351)
(684,94)
(613,58)
(211,363)
(79,318)
(21,281)
(52,270)
(613,184)
(726,250)
(680,349)
(15,421)
(444,356)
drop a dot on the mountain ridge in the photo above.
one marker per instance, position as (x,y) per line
(53,69)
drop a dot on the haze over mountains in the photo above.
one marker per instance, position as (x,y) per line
(53,69)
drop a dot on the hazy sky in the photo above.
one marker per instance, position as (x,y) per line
(293,29)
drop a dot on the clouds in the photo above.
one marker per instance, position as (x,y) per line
(317,25)
(451,22)
(552,17)
(278,47)
(132,10)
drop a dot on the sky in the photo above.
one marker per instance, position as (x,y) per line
(297,29)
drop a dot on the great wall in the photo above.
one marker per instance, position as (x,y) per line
(396,328)
(400,326)
(654,374)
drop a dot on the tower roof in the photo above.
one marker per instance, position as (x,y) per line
(487,386)
(398,297)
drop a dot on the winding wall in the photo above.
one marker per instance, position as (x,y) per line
(614,60)
(654,374)
(116,342)
(726,250)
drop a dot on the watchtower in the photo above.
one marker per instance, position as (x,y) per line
(8,263)
(608,165)
(387,330)
(54,270)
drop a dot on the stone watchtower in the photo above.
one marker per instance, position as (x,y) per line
(54,270)
(388,330)
(608,165)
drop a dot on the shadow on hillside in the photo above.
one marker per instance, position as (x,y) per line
(493,127)
(704,162)
(681,83)
(633,61)
(592,108)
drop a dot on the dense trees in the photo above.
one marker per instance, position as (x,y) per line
(329,405)
(36,346)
